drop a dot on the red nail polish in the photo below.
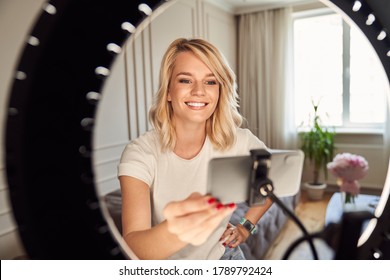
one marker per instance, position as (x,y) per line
(219,206)
(224,244)
(211,200)
(231,205)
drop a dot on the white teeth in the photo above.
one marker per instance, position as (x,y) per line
(196,104)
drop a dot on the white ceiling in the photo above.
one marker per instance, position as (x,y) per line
(243,6)
(240,3)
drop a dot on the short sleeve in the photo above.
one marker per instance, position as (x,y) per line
(138,160)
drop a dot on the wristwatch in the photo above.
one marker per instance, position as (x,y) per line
(248,225)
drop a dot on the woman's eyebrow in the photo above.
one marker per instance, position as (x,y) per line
(184,73)
(189,74)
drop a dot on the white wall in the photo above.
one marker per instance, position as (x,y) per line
(370,146)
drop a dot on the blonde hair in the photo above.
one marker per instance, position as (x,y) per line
(221,126)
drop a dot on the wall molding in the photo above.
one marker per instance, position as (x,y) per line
(109,146)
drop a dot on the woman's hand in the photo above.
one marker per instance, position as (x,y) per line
(234,236)
(194,219)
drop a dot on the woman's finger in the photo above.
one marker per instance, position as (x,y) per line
(190,222)
(194,203)
(234,243)
(232,235)
(198,235)
(227,232)
(196,217)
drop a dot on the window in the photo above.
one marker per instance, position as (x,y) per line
(336,67)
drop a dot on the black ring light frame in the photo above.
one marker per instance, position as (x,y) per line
(51,114)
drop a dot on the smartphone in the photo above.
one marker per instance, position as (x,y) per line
(229,179)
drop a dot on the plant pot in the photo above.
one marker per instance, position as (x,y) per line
(315,191)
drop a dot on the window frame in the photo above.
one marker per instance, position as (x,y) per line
(347,126)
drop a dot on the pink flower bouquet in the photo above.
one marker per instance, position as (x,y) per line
(348,169)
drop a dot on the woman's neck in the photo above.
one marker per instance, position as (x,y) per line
(189,140)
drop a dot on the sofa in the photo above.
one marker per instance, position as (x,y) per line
(268,227)
(255,246)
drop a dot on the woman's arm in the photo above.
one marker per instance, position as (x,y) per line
(145,242)
(234,236)
(190,221)
(254,214)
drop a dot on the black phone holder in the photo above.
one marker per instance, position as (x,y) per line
(260,184)
(262,187)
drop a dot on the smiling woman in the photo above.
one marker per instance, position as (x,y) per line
(167,212)
(51,110)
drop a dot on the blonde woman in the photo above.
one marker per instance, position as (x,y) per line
(166,213)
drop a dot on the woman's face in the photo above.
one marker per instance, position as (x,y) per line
(193,90)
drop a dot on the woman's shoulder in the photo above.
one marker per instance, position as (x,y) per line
(149,136)
(244,135)
(243,132)
(148,141)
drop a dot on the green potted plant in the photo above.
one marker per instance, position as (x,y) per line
(318,147)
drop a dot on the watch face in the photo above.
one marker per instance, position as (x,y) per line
(248,226)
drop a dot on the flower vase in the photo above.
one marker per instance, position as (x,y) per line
(348,169)
(348,201)
(349,190)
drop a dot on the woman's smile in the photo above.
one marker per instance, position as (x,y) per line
(196,105)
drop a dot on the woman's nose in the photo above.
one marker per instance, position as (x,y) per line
(198,89)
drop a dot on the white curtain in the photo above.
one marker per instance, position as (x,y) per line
(265,76)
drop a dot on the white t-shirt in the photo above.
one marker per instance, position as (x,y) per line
(172,178)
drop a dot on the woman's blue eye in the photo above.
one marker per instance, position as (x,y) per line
(184,81)
(211,82)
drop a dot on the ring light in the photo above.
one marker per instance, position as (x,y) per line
(51,114)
